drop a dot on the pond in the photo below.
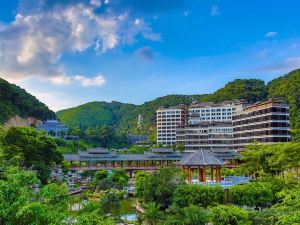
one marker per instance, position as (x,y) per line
(127,210)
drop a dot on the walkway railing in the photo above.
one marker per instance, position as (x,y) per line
(226,182)
(110,167)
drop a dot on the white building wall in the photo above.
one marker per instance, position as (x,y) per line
(167,121)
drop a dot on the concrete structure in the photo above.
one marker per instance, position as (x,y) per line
(265,122)
(167,120)
(138,139)
(215,136)
(54,126)
(210,112)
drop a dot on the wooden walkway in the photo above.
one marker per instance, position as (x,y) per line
(110,167)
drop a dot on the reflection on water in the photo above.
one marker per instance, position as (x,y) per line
(127,210)
(129,217)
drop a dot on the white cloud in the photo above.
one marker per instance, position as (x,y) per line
(214,10)
(96,3)
(270,34)
(33,44)
(86,82)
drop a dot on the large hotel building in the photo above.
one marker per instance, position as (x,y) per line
(224,126)
(265,122)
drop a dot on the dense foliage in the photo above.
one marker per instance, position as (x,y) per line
(159,186)
(252,90)
(198,195)
(29,148)
(16,101)
(260,159)
(94,114)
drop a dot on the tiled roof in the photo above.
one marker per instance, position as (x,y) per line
(162,150)
(201,158)
(162,154)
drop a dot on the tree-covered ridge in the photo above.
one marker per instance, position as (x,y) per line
(16,101)
(287,87)
(94,114)
(252,90)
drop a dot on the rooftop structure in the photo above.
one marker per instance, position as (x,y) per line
(198,161)
(201,158)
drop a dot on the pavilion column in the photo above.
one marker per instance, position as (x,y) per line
(121,163)
(204,174)
(190,174)
(183,169)
(218,173)
(212,173)
(113,163)
(199,174)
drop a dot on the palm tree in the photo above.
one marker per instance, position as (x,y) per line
(152,215)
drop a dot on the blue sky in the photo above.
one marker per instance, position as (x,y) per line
(70,52)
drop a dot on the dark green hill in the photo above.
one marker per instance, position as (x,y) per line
(16,101)
(94,114)
(287,87)
(252,90)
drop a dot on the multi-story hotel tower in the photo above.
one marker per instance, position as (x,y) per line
(167,121)
(223,126)
(265,122)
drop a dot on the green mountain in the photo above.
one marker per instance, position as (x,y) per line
(94,114)
(252,90)
(16,101)
(124,116)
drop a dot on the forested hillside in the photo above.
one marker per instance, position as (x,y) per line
(94,114)
(16,101)
(252,90)
(99,113)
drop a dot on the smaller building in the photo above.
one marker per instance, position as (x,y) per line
(53,127)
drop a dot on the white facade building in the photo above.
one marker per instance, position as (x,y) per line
(210,112)
(167,121)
